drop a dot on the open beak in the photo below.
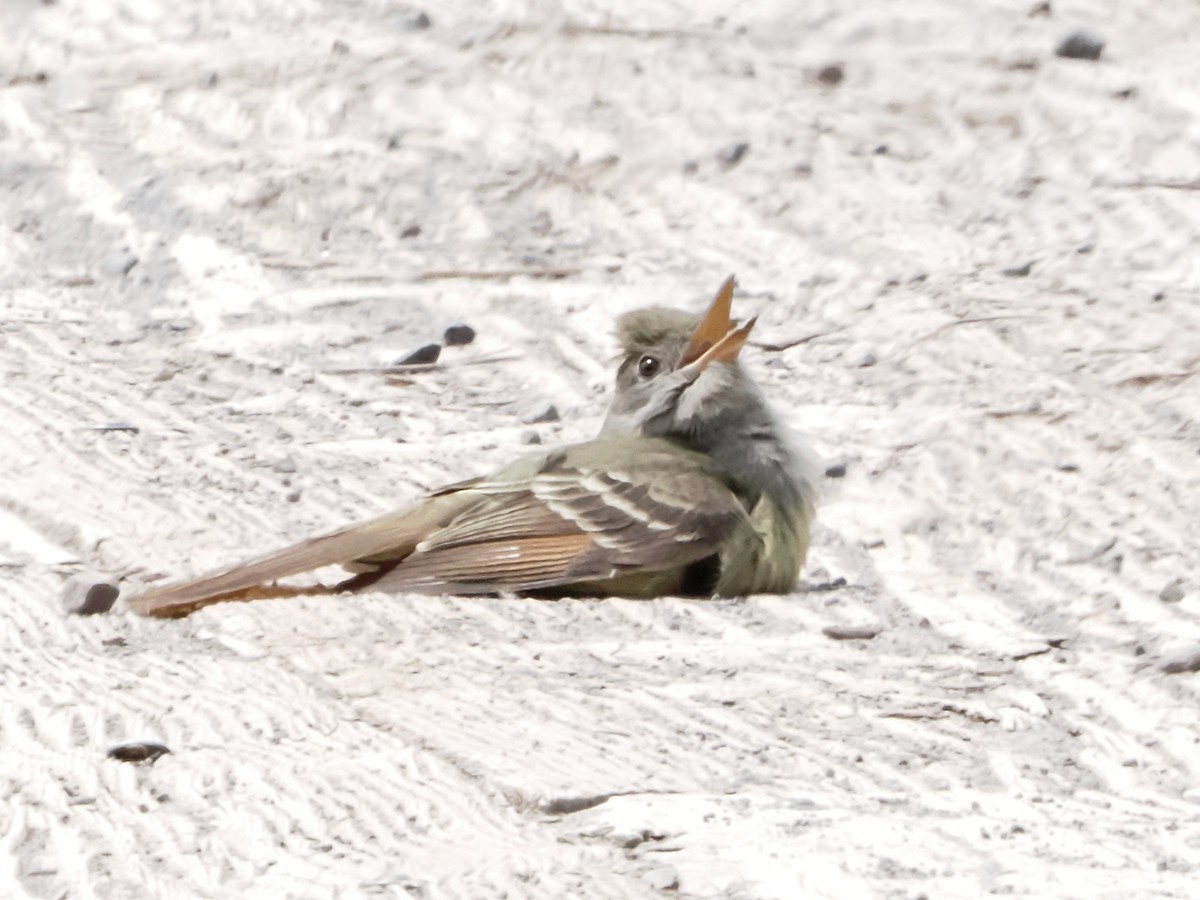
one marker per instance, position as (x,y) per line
(713,327)
(725,350)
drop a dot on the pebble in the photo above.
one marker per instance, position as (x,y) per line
(835,470)
(119,263)
(424,356)
(459,335)
(1182,663)
(831,75)
(544,414)
(530,437)
(733,154)
(1173,592)
(285,466)
(851,632)
(662,878)
(138,751)
(1021,271)
(1080,44)
(865,361)
(88,594)
(411,231)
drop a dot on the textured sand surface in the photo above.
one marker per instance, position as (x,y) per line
(977,269)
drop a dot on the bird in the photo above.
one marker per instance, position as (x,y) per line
(691,488)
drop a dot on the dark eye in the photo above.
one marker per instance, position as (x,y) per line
(648,366)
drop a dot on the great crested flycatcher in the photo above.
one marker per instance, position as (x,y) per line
(691,488)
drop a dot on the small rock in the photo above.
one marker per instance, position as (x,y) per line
(662,878)
(88,594)
(835,470)
(1173,592)
(285,466)
(339,48)
(831,75)
(691,167)
(1080,44)
(138,751)
(1040,9)
(180,324)
(1021,271)
(851,632)
(866,361)
(413,230)
(459,335)
(1183,663)
(425,356)
(565,806)
(733,154)
(530,437)
(293,497)
(118,264)
(1085,249)
(419,22)
(545,414)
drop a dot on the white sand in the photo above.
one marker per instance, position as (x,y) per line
(1023,473)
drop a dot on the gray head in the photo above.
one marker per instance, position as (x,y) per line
(680,379)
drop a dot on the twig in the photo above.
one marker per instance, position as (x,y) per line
(1140,184)
(788,345)
(974,321)
(415,368)
(551,272)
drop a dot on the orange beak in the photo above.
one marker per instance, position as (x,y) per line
(726,349)
(713,327)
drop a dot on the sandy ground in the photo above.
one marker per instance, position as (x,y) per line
(978,270)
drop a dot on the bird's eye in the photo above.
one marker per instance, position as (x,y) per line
(648,366)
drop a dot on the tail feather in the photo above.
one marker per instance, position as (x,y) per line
(387,539)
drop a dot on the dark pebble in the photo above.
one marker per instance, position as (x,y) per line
(1080,44)
(88,594)
(831,75)
(530,437)
(1020,271)
(545,414)
(1040,9)
(1173,592)
(411,231)
(850,632)
(419,22)
(1184,663)
(119,263)
(733,154)
(426,355)
(459,335)
(564,806)
(138,751)
(837,470)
